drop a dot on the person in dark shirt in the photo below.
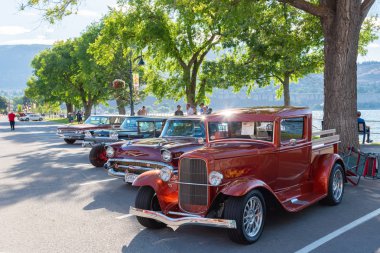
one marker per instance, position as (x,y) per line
(367,128)
(11,118)
(179,112)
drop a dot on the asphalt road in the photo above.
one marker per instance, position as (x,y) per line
(53,200)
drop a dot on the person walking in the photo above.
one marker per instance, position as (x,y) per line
(11,117)
(179,112)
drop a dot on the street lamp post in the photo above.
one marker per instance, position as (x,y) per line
(141,63)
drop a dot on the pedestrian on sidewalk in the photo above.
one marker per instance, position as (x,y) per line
(11,117)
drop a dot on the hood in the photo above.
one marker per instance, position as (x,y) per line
(223,150)
(150,149)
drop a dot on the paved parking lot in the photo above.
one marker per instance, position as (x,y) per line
(53,200)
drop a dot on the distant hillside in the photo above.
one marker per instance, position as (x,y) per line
(15,70)
(15,66)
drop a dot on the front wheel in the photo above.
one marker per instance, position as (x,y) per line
(336,186)
(98,155)
(249,213)
(146,199)
(69,141)
(27,119)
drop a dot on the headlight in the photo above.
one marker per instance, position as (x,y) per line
(87,134)
(166,156)
(59,131)
(165,174)
(215,178)
(79,132)
(110,151)
(114,135)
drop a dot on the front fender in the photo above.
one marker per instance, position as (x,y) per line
(167,192)
(241,187)
(321,169)
(149,178)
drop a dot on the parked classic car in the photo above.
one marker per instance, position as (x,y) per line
(129,159)
(253,158)
(31,117)
(134,127)
(72,133)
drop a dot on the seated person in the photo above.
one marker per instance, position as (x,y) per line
(367,128)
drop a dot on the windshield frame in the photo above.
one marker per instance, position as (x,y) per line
(274,125)
(201,124)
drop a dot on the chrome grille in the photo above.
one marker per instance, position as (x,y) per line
(193,189)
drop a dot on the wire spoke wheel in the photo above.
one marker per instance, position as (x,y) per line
(337,184)
(253,216)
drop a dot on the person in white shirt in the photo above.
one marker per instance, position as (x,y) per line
(189,109)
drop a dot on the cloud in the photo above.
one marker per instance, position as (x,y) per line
(374,45)
(38,40)
(13,30)
(88,13)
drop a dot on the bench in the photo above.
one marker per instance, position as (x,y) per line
(362,130)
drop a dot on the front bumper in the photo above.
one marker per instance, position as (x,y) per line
(187,220)
(72,136)
(92,141)
(132,168)
(114,173)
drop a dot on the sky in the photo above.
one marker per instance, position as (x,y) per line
(27,27)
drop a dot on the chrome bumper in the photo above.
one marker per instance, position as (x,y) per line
(189,220)
(113,173)
(72,136)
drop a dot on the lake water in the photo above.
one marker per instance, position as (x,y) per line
(371,117)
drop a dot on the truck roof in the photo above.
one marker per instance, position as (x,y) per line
(272,111)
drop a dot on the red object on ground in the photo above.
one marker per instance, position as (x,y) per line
(11,116)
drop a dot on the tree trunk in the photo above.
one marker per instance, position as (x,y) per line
(87,109)
(286,89)
(341,33)
(120,106)
(69,107)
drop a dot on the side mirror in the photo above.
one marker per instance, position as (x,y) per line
(292,142)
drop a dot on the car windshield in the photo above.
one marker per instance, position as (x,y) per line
(97,120)
(254,130)
(129,124)
(184,128)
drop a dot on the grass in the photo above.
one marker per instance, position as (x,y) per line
(60,121)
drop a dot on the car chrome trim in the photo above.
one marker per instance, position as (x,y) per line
(113,173)
(141,161)
(187,220)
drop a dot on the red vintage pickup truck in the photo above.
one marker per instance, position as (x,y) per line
(253,158)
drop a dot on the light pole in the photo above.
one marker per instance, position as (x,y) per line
(141,63)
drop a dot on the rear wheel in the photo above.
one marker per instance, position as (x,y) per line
(336,186)
(98,155)
(249,213)
(146,199)
(69,141)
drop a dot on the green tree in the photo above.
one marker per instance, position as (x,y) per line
(341,22)
(3,103)
(113,50)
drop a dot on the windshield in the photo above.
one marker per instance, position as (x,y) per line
(184,128)
(97,120)
(254,130)
(129,124)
